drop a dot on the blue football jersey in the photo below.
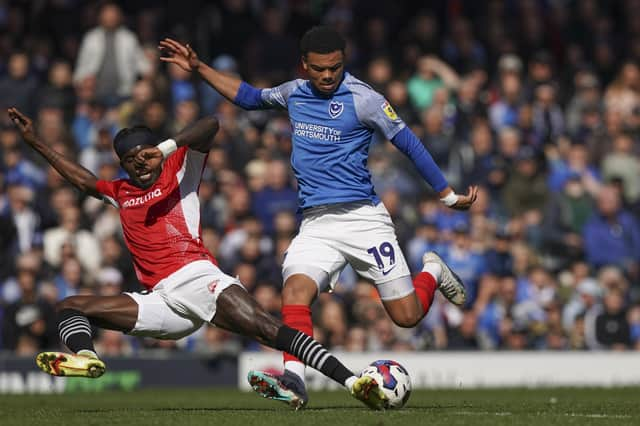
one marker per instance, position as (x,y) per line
(331,137)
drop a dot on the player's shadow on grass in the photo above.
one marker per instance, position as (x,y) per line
(276,409)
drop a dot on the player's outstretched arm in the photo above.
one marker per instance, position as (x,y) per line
(186,58)
(198,136)
(407,142)
(234,89)
(80,177)
(460,201)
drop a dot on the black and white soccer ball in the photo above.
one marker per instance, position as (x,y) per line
(392,378)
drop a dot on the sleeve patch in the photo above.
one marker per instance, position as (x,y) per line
(110,201)
(389,111)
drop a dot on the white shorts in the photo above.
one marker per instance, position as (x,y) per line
(357,233)
(182,302)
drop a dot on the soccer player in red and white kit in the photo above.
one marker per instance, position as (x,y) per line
(160,215)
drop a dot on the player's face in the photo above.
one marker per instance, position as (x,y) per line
(143,172)
(325,70)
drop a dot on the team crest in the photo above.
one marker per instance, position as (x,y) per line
(388,110)
(335,109)
(212,286)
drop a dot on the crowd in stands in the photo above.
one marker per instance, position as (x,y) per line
(536,101)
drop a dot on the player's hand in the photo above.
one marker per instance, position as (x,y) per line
(148,154)
(24,124)
(181,55)
(465,201)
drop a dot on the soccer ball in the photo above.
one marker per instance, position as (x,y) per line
(392,378)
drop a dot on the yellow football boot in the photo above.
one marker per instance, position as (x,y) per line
(70,365)
(366,389)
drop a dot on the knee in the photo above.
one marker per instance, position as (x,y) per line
(71,302)
(299,290)
(406,320)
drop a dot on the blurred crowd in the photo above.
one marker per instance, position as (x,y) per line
(536,101)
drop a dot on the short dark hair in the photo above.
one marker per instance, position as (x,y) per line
(321,39)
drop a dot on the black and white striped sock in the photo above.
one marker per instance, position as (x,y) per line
(311,353)
(75,330)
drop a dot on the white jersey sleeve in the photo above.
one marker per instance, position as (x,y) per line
(373,110)
(278,97)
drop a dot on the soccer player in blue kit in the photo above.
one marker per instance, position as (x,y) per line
(333,117)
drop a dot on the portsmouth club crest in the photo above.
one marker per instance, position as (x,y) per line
(335,109)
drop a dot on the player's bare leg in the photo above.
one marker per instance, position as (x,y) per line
(240,313)
(76,314)
(409,310)
(406,311)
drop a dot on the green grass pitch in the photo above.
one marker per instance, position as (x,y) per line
(182,407)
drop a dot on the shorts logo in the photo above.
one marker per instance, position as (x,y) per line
(335,109)
(388,110)
(388,270)
(213,285)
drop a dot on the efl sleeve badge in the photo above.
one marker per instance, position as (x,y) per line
(389,112)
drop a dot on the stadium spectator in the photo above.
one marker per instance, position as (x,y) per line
(612,234)
(622,94)
(588,294)
(71,279)
(469,263)
(271,53)
(276,196)
(58,92)
(431,75)
(111,55)
(548,118)
(463,338)
(19,169)
(436,136)
(99,153)
(25,221)
(574,160)
(18,87)
(504,112)
(71,240)
(425,239)
(498,256)
(585,102)
(89,120)
(182,89)
(634,326)
(525,192)
(610,324)
(571,95)
(29,321)
(564,220)
(621,163)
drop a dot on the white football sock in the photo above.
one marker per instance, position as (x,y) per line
(88,353)
(434,269)
(295,367)
(350,381)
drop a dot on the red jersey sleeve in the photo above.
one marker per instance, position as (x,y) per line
(109,191)
(176,160)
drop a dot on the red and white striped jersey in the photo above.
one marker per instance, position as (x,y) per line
(162,223)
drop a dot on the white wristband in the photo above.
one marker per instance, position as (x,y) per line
(167,147)
(450,199)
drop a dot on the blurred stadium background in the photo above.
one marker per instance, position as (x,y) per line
(537,101)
